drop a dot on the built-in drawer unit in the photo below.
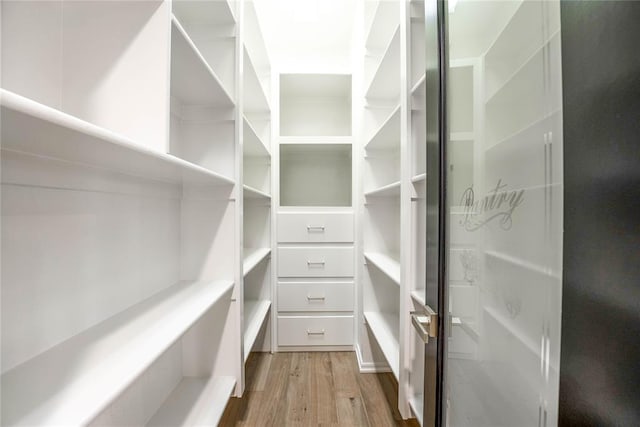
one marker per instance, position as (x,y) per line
(315,261)
(315,330)
(315,227)
(315,296)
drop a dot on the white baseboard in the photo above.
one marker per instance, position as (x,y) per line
(370,367)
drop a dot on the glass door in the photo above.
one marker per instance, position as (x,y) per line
(503,186)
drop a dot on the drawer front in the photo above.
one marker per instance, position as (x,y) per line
(315,227)
(306,296)
(315,330)
(315,262)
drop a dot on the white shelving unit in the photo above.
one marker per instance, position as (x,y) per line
(118,155)
(256,160)
(383,119)
(190,403)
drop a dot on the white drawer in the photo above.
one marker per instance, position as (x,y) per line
(315,261)
(304,227)
(315,330)
(307,296)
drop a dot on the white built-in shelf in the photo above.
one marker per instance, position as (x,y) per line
(253,257)
(255,313)
(389,190)
(386,328)
(195,402)
(418,296)
(204,12)
(388,134)
(316,140)
(252,193)
(385,19)
(78,378)
(419,179)
(416,12)
(418,85)
(385,82)
(193,81)
(253,144)
(416,403)
(255,97)
(253,37)
(390,266)
(33,128)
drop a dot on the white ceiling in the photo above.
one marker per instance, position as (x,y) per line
(309,35)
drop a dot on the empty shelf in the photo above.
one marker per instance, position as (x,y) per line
(416,87)
(385,328)
(33,128)
(255,98)
(389,190)
(78,378)
(193,81)
(252,193)
(253,145)
(388,134)
(386,264)
(253,257)
(418,296)
(204,12)
(385,82)
(195,402)
(255,313)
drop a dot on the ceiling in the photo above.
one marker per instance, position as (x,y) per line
(308,34)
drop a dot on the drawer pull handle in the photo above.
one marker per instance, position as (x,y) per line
(315,227)
(310,298)
(310,263)
(310,332)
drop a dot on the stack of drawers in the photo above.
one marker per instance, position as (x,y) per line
(316,292)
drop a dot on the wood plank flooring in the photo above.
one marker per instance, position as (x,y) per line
(314,389)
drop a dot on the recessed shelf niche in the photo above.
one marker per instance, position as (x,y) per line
(315,105)
(315,175)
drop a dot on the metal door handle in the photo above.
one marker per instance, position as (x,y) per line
(310,263)
(310,332)
(315,227)
(426,323)
(310,298)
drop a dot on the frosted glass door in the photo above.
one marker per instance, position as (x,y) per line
(504,200)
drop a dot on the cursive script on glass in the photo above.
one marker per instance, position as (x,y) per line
(498,205)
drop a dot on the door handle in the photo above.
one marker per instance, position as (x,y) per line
(315,227)
(426,323)
(310,298)
(310,263)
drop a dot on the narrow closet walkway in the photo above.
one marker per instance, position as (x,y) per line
(313,388)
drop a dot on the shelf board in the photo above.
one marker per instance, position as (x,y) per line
(388,70)
(419,179)
(388,134)
(385,17)
(328,140)
(416,87)
(195,402)
(389,190)
(253,145)
(252,193)
(253,257)
(208,13)
(253,36)
(32,128)
(418,296)
(80,377)
(385,328)
(255,98)
(255,313)
(416,404)
(193,81)
(388,265)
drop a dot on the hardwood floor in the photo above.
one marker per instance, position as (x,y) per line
(314,389)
